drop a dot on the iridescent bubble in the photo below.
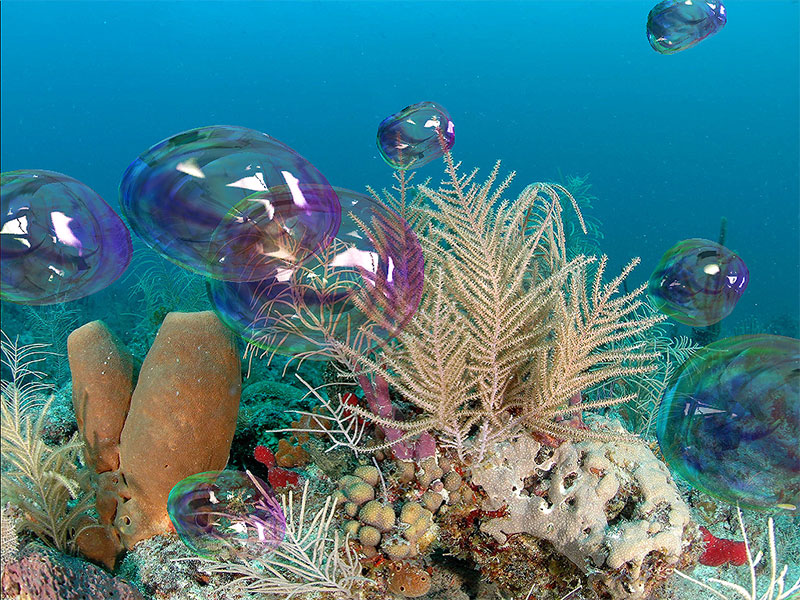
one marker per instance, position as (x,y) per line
(698,282)
(730,417)
(373,267)
(675,25)
(270,229)
(177,193)
(411,138)
(59,241)
(227,515)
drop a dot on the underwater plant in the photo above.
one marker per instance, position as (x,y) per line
(51,324)
(648,388)
(160,288)
(578,241)
(44,482)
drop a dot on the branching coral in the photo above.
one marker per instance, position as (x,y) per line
(510,331)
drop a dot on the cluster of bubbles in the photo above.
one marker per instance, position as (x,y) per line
(59,241)
(226,202)
(698,282)
(729,418)
(675,25)
(729,421)
(227,515)
(374,265)
(291,263)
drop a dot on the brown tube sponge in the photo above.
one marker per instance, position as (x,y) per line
(102,384)
(181,419)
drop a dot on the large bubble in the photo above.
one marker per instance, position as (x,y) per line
(176,194)
(374,267)
(227,515)
(698,282)
(729,421)
(411,138)
(675,25)
(59,240)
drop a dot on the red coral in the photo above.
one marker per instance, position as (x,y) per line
(277,477)
(265,456)
(720,551)
(280,478)
(351,399)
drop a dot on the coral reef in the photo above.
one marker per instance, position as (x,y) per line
(498,365)
(486,462)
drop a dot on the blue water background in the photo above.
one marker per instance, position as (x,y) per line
(673,143)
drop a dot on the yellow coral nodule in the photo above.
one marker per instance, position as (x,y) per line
(379,515)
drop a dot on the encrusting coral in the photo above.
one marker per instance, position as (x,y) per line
(39,573)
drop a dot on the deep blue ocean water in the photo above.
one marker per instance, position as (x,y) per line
(672,143)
